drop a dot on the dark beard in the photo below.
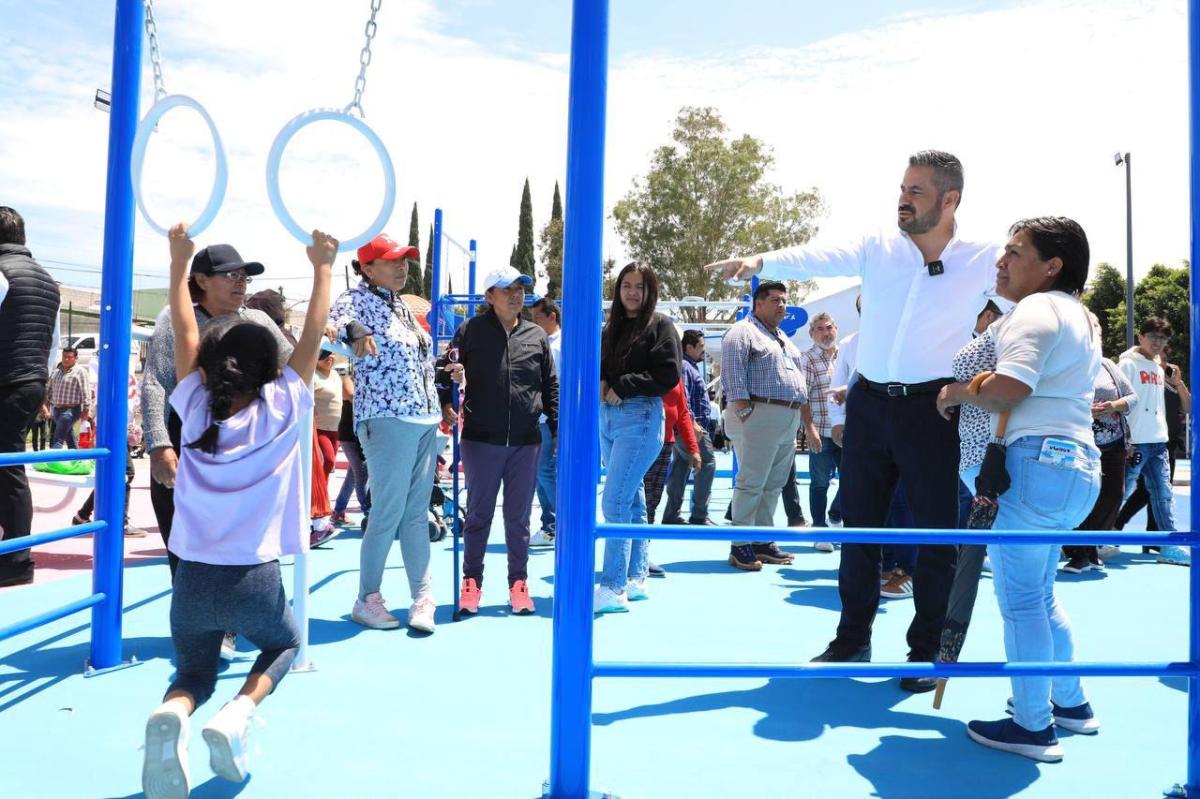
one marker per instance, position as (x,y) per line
(923,224)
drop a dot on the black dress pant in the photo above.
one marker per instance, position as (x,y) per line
(18,406)
(888,439)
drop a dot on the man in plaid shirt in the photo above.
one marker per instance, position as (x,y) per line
(825,456)
(68,398)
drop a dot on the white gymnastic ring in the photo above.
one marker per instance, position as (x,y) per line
(138,156)
(276,155)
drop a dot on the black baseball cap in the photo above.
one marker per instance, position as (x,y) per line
(217,258)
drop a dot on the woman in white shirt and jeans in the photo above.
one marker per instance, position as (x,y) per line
(1047,361)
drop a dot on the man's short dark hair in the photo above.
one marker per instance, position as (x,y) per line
(548,307)
(692,337)
(991,306)
(767,286)
(12,227)
(1155,324)
(1062,238)
(71,350)
(947,170)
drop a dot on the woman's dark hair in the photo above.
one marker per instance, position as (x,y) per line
(238,358)
(12,226)
(270,302)
(357,267)
(1155,324)
(1063,238)
(621,331)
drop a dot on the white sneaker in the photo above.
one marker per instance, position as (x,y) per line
(541,538)
(607,600)
(165,767)
(635,591)
(420,615)
(823,546)
(1109,551)
(225,733)
(372,613)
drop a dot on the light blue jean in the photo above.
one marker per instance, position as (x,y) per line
(631,436)
(1155,469)
(402,457)
(1043,496)
(547,478)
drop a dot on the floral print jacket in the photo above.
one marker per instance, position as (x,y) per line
(397,381)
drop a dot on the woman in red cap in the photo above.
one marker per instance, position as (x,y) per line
(396,414)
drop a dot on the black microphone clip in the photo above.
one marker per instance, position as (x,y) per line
(935,268)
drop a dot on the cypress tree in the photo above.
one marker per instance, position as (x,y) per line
(523,256)
(415,283)
(552,246)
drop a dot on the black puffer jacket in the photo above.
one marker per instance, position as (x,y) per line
(27,317)
(511,381)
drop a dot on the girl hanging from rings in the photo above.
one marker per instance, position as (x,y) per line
(239,506)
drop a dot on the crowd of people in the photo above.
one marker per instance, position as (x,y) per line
(964,349)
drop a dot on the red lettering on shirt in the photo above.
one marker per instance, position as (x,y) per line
(1150,377)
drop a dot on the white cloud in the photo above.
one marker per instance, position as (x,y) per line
(1034,99)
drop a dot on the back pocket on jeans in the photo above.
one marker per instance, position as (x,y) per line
(1052,489)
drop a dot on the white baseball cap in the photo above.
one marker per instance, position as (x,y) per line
(504,276)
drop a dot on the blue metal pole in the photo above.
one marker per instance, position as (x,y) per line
(474,248)
(435,283)
(1193,743)
(579,390)
(116,309)
(456,521)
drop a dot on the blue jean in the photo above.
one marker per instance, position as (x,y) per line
(631,436)
(1043,496)
(1155,469)
(403,456)
(547,478)
(822,466)
(356,480)
(64,427)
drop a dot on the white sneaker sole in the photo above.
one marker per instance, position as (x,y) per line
(375,625)
(1078,726)
(822,547)
(1042,754)
(422,626)
(221,757)
(164,773)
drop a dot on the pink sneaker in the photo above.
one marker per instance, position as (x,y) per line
(518,598)
(373,613)
(468,600)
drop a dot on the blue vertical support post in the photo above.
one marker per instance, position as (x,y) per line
(471,273)
(116,291)
(435,282)
(579,456)
(1193,743)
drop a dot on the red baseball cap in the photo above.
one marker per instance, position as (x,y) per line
(382,246)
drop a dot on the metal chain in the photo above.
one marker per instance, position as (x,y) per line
(160,91)
(364,61)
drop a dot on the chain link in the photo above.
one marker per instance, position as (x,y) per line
(364,60)
(160,91)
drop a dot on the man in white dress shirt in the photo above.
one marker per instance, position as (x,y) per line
(922,287)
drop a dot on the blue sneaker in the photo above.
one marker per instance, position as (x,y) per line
(1008,736)
(1079,719)
(1177,556)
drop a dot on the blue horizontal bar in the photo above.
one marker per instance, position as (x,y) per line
(872,535)
(30,541)
(475,299)
(770,671)
(53,456)
(49,616)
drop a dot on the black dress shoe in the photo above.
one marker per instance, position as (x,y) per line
(674,520)
(705,522)
(22,577)
(836,653)
(918,685)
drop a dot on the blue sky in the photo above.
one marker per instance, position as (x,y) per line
(470,97)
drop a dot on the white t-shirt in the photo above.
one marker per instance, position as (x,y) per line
(1046,343)
(245,504)
(1148,422)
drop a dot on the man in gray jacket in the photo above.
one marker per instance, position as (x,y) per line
(218,283)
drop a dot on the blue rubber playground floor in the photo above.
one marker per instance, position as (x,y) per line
(465,712)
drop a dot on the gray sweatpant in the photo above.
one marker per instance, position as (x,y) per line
(210,600)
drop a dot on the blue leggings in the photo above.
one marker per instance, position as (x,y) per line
(208,601)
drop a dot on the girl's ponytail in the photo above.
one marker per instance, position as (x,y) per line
(238,359)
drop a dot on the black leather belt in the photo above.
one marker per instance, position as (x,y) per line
(785,403)
(904,389)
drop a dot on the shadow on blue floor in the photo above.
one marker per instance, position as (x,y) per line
(215,788)
(900,766)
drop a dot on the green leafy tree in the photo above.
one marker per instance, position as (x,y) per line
(415,284)
(1105,294)
(706,197)
(1164,292)
(523,257)
(551,244)
(428,281)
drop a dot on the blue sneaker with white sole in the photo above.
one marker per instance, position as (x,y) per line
(1176,556)
(1079,719)
(1008,736)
